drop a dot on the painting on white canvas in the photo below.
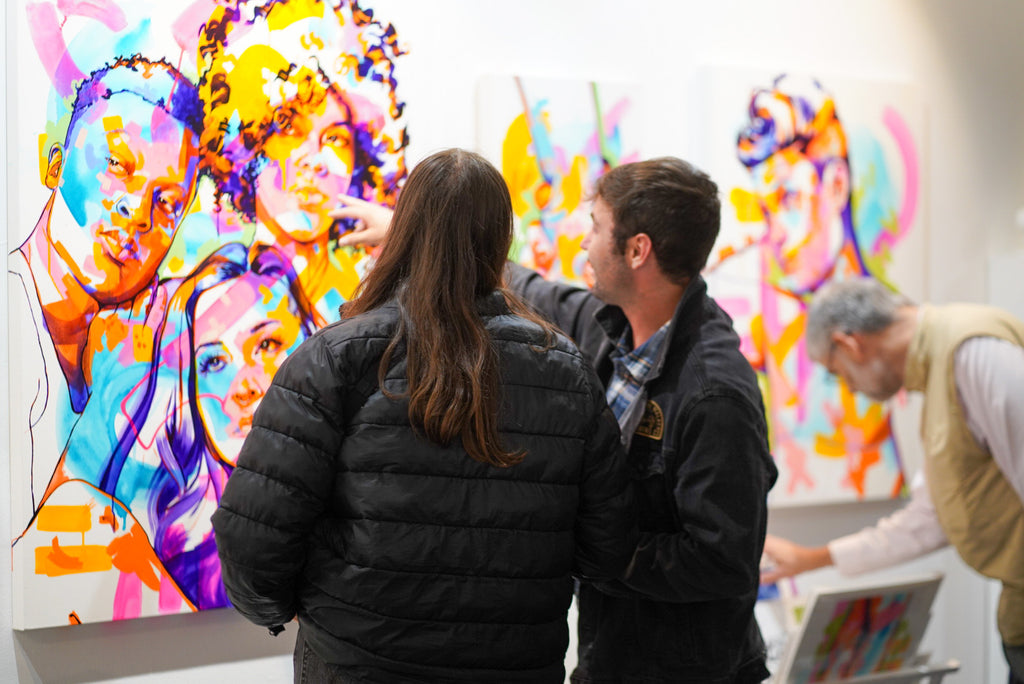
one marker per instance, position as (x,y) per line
(171,245)
(552,139)
(820,181)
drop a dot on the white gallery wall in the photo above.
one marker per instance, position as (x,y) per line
(966,60)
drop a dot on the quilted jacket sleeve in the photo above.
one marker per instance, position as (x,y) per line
(606,525)
(280,487)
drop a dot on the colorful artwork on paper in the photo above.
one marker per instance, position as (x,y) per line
(853,632)
(173,248)
(552,139)
(864,635)
(820,182)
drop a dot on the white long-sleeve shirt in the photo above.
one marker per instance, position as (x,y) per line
(989,377)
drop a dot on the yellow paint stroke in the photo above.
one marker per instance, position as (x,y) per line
(779,349)
(175,263)
(786,341)
(568,248)
(112,124)
(44,158)
(288,14)
(572,185)
(758,341)
(142,343)
(345,278)
(517,166)
(56,561)
(53,518)
(747,206)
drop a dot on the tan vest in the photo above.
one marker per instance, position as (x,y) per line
(979,510)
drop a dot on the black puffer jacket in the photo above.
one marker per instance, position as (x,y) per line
(410,562)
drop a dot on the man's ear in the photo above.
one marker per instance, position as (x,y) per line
(639,250)
(851,343)
(54,164)
(835,183)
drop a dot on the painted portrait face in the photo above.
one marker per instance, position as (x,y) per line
(309,162)
(802,210)
(303,94)
(127,178)
(244,330)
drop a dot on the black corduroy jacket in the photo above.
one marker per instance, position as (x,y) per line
(408,561)
(683,611)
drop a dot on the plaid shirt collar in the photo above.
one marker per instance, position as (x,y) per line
(631,367)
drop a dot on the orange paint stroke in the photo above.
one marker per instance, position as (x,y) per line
(108,518)
(64,519)
(132,553)
(857,437)
(56,561)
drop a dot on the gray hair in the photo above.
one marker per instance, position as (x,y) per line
(862,304)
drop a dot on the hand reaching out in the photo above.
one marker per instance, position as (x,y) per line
(788,559)
(372,221)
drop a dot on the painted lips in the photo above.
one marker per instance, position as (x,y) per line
(309,196)
(118,246)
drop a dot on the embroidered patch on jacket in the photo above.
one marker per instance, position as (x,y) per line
(652,425)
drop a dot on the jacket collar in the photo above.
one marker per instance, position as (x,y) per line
(613,321)
(493,304)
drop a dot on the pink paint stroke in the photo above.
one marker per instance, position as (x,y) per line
(128,597)
(107,12)
(908,151)
(50,46)
(170,600)
(187,27)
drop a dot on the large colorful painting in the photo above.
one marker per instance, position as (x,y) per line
(552,139)
(820,182)
(172,244)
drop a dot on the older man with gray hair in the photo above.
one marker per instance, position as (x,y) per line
(968,362)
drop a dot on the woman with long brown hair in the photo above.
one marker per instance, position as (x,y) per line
(425,477)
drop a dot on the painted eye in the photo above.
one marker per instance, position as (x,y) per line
(116,166)
(284,122)
(270,344)
(337,136)
(169,202)
(212,364)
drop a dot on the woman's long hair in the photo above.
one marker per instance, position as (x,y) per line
(445,251)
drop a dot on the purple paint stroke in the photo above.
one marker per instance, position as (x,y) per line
(107,12)
(911,184)
(52,50)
